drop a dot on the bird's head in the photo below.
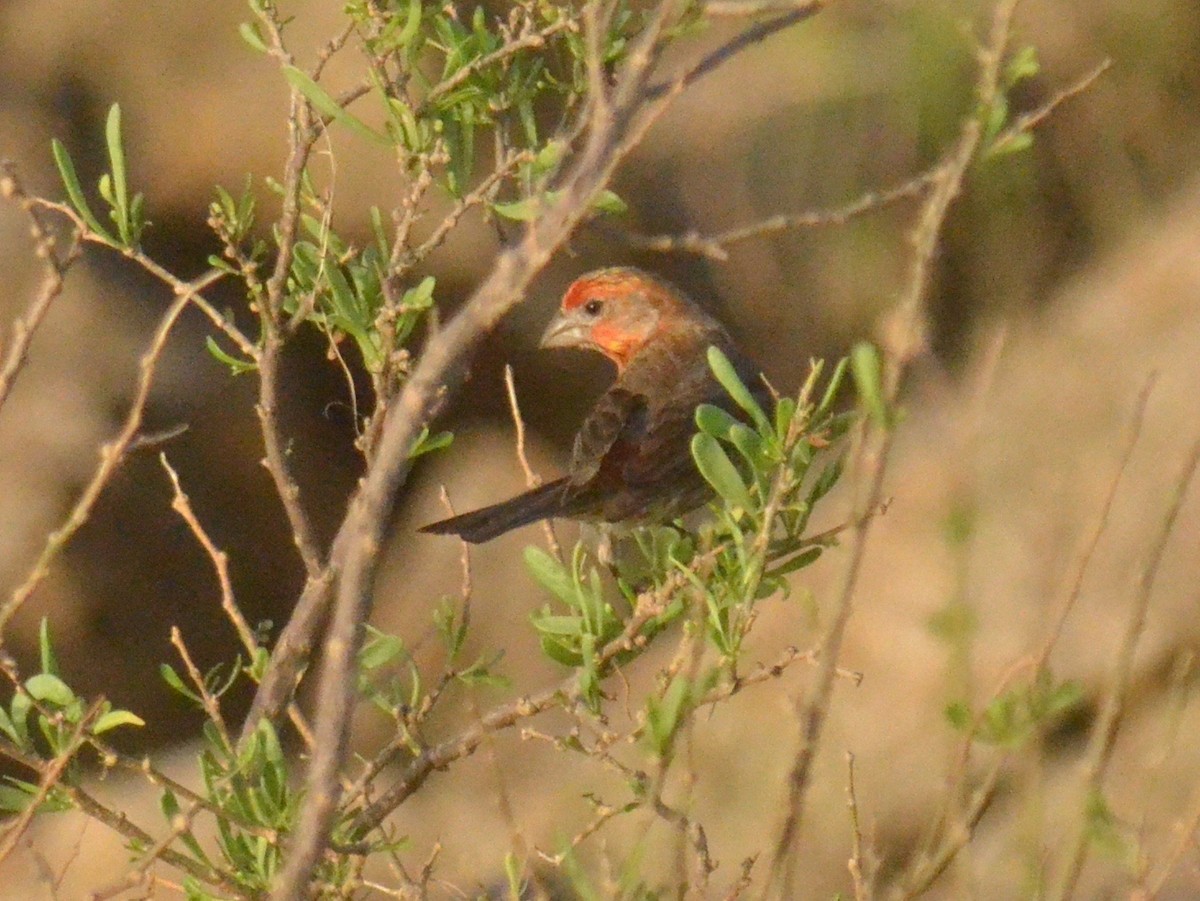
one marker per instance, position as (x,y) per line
(619,311)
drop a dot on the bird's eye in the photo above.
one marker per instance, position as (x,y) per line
(592,307)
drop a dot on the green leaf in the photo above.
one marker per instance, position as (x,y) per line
(750,444)
(717,469)
(427,443)
(325,104)
(379,649)
(712,420)
(831,389)
(826,480)
(419,298)
(7,727)
(249,33)
(405,125)
(1014,142)
(548,158)
(735,388)
(49,689)
(608,202)
(867,370)
(412,24)
(799,561)
(1024,64)
(66,170)
(236,366)
(450,625)
(120,192)
(20,707)
(559,625)
(551,575)
(15,798)
(49,663)
(663,716)
(519,210)
(785,410)
(115,718)
(1103,830)
(172,679)
(559,652)
(959,715)
(512,870)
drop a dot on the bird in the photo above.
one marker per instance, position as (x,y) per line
(631,462)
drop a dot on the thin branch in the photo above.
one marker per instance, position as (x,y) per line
(208,701)
(1132,435)
(742,8)
(220,561)
(564,693)
(933,861)
(112,454)
(905,339)
(1032,119)
(863,887)
(121,824)
(934,866)
(302,135)
(531,41)
(1104,734)
(797,12)
(276,455)
(168,278)
(532,479)
(716,246)
(56,266)
(49,775)
(159,850)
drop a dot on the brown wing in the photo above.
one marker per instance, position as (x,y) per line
(615,425)
(632,457)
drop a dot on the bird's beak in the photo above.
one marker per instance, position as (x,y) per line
(564,331)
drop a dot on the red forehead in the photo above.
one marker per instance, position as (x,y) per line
(602,287)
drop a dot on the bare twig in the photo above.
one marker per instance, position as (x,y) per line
(796,13)
(121,824)
(159,850)
(716,246)
(959,834)
(564,694)
(1083,563)
(56,264)
(1032,119)
(532,479)
(220,561)
(112,454)
(168,278)
(1104,733)
(863,888)
(904,341)
(209,702)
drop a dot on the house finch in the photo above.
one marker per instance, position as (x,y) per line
(632,458)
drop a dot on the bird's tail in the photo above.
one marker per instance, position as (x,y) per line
(486,523)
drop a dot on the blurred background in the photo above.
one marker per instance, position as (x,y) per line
(1067,275)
